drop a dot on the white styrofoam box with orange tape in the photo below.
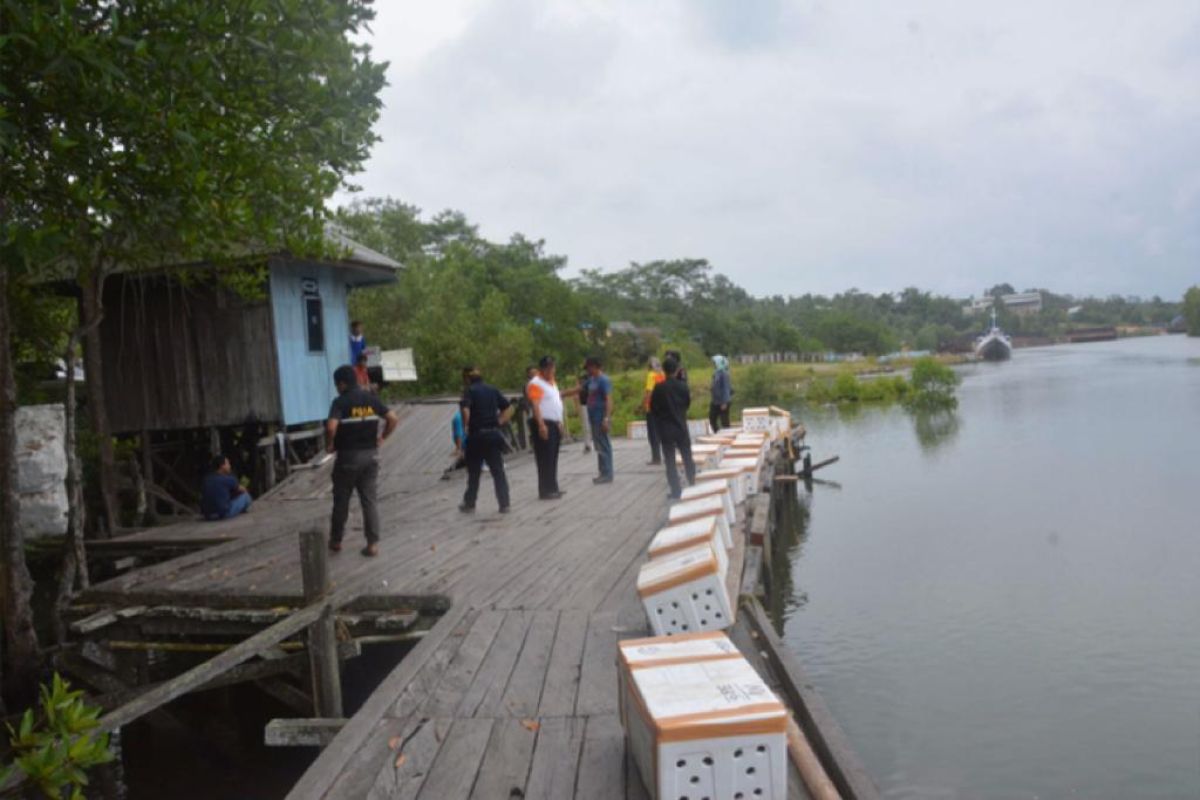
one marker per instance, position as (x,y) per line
(703,455)
(684,592)
(716,438)
(637,429)
(720,488)
(707,728)
(750,468)
(735,479)
(661,651)
(711,506)
(692,533)
(698,427)
(756,419)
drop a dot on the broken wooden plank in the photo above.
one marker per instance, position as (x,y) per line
(316,732)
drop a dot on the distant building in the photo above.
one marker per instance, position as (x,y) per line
(1021,304)
(629,329)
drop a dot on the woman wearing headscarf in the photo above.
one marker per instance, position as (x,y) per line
(654,376)
(722,394)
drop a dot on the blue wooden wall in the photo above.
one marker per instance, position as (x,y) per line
(306,379)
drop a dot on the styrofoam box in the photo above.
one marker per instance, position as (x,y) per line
(750,468)
(698,427)
(704,530)
(684,592)
(636,429)
(658,651)
(707,729)
(756,419)
(711,506)
(734,478)
(702,455)
(716,438)
(720,488)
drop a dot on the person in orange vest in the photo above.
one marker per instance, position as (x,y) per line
(654,376)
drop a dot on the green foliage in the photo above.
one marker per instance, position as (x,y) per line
(847,387)
(933,385)
(135,134)
(54,747)
(757,386)
(1191,310)
(462,299)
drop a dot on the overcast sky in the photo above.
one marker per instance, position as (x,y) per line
(811,146)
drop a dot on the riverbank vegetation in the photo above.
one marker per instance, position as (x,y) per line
(1191,310)
(463,299)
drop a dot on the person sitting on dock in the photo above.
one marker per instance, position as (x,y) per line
(669,404)
(459,434)
(352,431)
(221,496)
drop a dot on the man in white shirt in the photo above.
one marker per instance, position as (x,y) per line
(547,406)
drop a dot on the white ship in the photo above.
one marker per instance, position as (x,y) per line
(995,344)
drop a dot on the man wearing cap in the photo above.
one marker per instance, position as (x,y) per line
(484,411)
(352,432)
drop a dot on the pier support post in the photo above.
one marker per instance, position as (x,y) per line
(322,638)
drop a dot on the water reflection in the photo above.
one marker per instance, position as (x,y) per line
(935,429)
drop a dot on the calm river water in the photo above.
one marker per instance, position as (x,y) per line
(1006,603)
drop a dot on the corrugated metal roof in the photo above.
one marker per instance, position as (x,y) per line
(359,253)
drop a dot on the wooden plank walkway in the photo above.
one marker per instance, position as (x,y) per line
(513,692)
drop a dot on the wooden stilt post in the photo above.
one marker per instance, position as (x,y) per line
(322,639)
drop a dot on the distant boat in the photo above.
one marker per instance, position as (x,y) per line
(995,344)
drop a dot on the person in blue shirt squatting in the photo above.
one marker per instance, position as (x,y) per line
(352,431)
(600,407)
(221,496)
(459,435)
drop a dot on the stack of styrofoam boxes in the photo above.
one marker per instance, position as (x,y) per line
(637,429)
(698,427)
(749,466)
(700,721)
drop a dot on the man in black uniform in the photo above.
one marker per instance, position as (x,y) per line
(484,410)
(352,431)
(669,402)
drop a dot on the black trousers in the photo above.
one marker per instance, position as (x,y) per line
(485,446)
(652,435)
(672,441)
(355,470)
(545,452)
(715,415)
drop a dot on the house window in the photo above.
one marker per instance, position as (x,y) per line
(314,322)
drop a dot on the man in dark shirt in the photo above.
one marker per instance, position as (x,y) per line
(221,496)
(484,410)
(669,402)
(352,431)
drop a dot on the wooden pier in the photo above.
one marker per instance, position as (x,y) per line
(512,692)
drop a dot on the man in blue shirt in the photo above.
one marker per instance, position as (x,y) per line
(221,496)
(484,410)
(600,407)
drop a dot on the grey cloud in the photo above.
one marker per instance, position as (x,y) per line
(803,147)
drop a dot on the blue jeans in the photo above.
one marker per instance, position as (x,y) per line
(238,504)
(603,446)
